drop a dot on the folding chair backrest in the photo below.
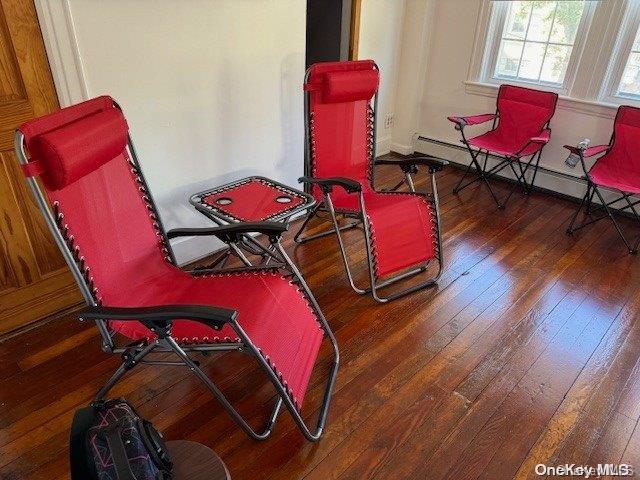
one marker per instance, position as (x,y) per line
(101,205)
(523,112)
(624,155)
(341,119)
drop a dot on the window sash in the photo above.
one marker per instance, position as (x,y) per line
(498,17)
(622,51)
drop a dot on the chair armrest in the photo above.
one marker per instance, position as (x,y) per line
(233,232)
(160,317)
(327,184)
(543,138)
(406,164)
(472,119)
(588,152)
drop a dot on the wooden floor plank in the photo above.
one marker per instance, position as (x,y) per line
(527,351)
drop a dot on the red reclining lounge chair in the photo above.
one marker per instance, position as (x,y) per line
(401,230)
(520,129)
(102,216)
(618,169)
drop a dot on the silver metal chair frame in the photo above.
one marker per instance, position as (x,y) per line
(360,219)
(137,353)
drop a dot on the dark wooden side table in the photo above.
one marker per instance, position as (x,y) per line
(194,461)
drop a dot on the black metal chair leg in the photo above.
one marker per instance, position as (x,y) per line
(457,188)
(535,171)
(310,215)
(615,223)
(575,215)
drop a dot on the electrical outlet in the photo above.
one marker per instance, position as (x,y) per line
(388,120)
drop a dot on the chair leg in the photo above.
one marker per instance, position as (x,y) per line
(326,233)
(615,223)
(590,201)
(575,215)
(535,170)
(242,423)
(482,174)
(128,363)
(343,251)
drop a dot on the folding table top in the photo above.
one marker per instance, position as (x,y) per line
(251,199)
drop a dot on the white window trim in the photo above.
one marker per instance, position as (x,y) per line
(621,51)
(494,24)
(590,107)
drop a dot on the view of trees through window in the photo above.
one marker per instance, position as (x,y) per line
(537,40)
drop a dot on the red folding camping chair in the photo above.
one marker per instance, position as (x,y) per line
(520,129)
(103,218)
(401,230)
(618,169)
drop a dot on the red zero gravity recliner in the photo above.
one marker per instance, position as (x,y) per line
(618,169)
(99,209)
(401,230)
(520,129)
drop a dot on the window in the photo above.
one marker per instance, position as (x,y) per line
(623,80)
(535,41)
(629,85)
(586,50)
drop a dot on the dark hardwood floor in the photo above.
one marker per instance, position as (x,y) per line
(526,353)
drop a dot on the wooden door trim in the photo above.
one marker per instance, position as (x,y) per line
(63,52)
(354,36)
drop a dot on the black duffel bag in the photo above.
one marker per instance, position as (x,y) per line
(109,441)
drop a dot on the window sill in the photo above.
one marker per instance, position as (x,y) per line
(587,107)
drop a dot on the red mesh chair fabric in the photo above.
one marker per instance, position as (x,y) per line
(105,213)
(255,200)
(402,224)
(619,168)
(523,114)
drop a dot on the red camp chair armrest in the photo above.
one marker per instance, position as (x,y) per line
(588,152)
(543,138)
(326,184)
(233,232)
(472,119)
(408,164)
(160,317)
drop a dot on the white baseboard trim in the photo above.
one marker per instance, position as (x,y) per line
(383,146)
(402,149)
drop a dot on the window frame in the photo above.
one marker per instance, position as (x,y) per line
(627,31)
(497,19)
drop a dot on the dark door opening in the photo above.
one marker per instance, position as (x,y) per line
(329,24)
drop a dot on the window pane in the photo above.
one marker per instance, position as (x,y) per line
(555,63)
(531,61)
(517,20)
(630,83)
(636,42)
(509,58)
(549,30)
(565,25)
(541,19)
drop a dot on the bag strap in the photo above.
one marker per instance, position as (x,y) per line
(118,453)
(82,420)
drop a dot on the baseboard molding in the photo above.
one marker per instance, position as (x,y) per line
(547,180)
(402,149)
(383,146)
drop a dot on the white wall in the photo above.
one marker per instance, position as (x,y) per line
(380,40)
(212,91)
(438,37)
